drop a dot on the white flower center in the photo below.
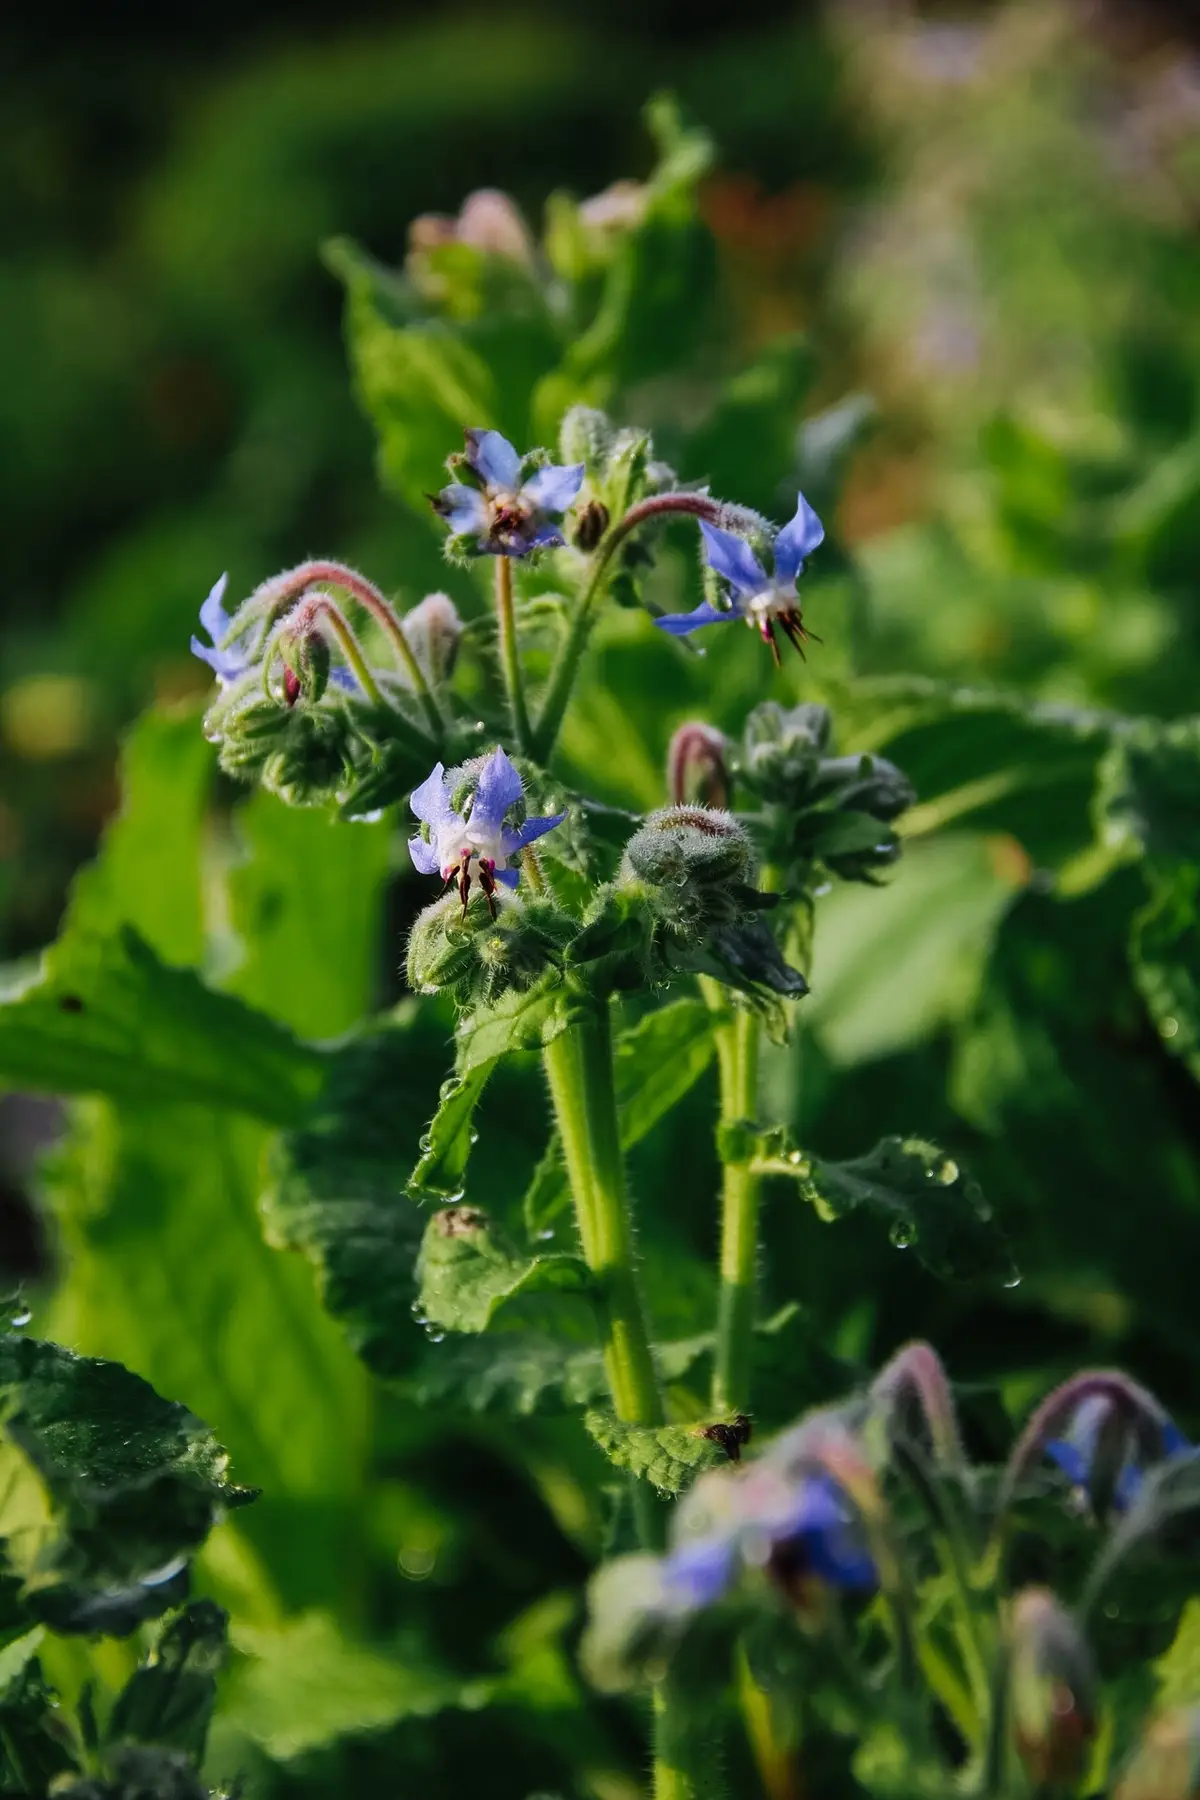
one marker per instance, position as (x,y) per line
(474,842)
(769,603)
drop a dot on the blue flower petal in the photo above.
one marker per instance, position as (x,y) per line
(679,624)
(734,560)
(509,877)
(1070,1459)
(544,538)
(463,508)
(213,617)
(697,1574)
(227,665)
(431,801)
(493,457)
(345,679)
(425,857)
(498,788)
(553,489)
(1174,1442)
(530,831)
(798,539)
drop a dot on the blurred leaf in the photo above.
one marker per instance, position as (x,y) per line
(912,1187)
(467,1271)
(33,1745)
(106,1016)
(668,1456)
(337,1192)
(134,1772)
(519,1373)
(305,1683)
(1165,953)
(1148,794)
(307,902)
(109,1489)
(169,1698)
(656,1062)
(891,964)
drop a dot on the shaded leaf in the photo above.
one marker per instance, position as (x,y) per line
(467,1270)
(668,1456)
(519,1373)
(1148,792)
(169,1698)
(109,1488)
(139,1772)
(920,1194)
(337,1191)
(34,1747)
(1165,955)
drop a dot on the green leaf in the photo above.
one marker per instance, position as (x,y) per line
(1165,954)
(169,1698)
(33,1747)
(336,1191)
(306,902)
(138,1772)
(518,1021)
(1148,792)
(923,1197)
(519,1373)
(106,1016)
(467,1271)
(668,1456)
(304,1684)
(108,1488)
(656,1062)
(892,964)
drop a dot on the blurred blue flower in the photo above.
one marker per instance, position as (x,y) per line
(760,599)
(477,841)
(1100,1447)
(504,515)
(228,664)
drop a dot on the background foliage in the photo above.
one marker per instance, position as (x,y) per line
(943,273)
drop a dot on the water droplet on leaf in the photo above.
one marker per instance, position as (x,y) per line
(902,1234)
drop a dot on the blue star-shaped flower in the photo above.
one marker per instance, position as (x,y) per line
(477,841)
(503,514)
(228,662)
(760,599)
(1080,1450)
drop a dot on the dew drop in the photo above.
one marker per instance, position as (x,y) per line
(434,1335)
(1169,1027)
(902,1235)
(19,1319)
(948,1173)
(1013,1280)
(543,1237)
(795,1157)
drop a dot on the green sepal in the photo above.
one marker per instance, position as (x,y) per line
(927,1202)
(467,1270)
(668,1456)
(108,1489)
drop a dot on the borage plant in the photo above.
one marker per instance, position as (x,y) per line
(858,1607)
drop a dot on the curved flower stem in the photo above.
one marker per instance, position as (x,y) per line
(281,588)
(579,1069)
(737,1050)
(510,656)
(320,606)
(566,663)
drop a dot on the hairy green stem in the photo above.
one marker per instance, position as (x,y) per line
(738,1044)
(510,656)
(566,663)
(579,1068)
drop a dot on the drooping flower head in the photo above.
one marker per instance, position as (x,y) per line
(1104,1450)
(498,513)
(477,840)
(760,599)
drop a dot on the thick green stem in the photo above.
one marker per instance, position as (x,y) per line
(566,663)
(737,1050)
(510,656)
(579,1068)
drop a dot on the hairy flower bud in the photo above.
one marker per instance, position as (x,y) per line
(696,766)
(1165,1765)
(434,628)
(1052,1687)
(591,523)
(307,659)
(696,861)
(302,753)
(476,958)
